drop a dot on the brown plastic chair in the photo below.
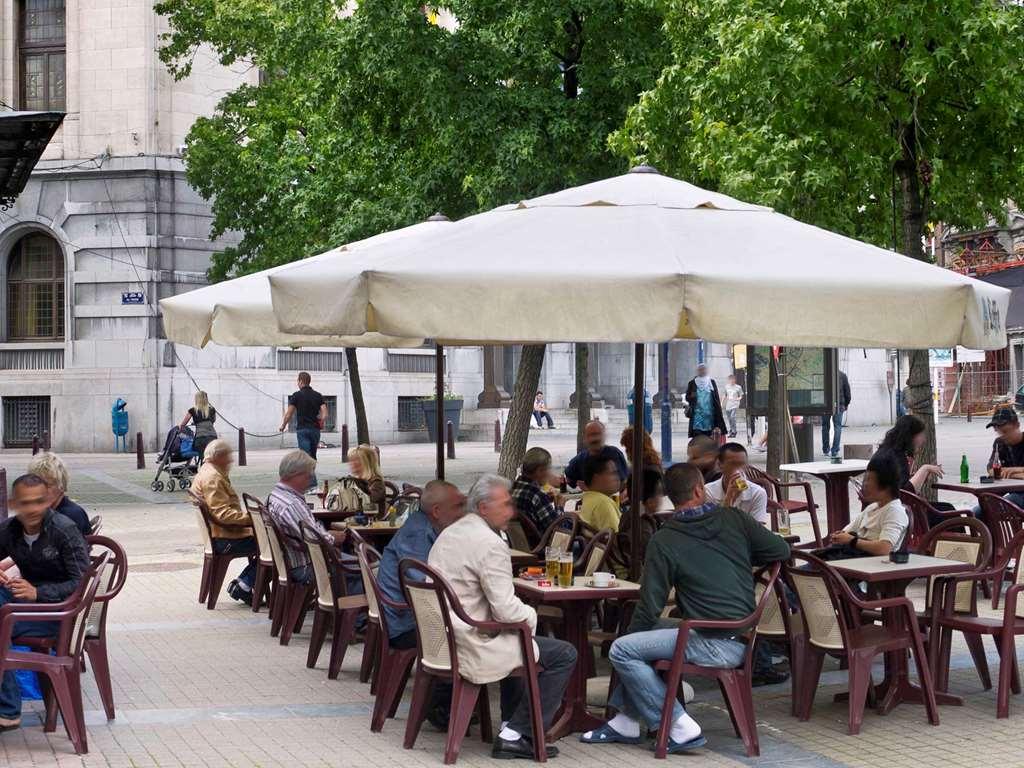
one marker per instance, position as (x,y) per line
(921,514)
(264,578)
(95,524)
(215,567)
(433,602)
(773,487)
(780,624)
(1004,520)
(334,607)
(949,616)
(592,559)
(392,664)
(63,669)
(291,599)
(522,533)
(831,614)
(735,684)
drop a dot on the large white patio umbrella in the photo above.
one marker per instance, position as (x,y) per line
(640,257)
(239,313)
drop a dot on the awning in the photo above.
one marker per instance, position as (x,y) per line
(23,137)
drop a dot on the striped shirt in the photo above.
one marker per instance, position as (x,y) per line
(288,508)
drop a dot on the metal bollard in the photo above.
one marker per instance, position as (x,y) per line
(344,442)
(35,444)
(241,447)
(450,431)
(46,440)
(140,454)
(3,493)
(497,435)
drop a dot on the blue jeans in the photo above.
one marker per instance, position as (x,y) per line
(10,693)
(837,424)
(246,546)
(308,440)
(641,691)
(730,421)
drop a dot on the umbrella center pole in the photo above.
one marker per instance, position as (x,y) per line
(637,486)
(439,409)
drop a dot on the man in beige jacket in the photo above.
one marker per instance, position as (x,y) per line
(213,485)
(477,563)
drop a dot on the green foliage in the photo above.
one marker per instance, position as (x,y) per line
(374,118)
(800,104)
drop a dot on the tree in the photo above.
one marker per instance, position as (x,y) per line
(362,428)
(370,117)
(849,114)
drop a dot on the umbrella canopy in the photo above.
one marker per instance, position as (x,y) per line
(639,257)
(239,312)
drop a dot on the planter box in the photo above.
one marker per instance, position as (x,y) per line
(452,413)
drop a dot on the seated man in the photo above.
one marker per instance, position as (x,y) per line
(881,526)
(287,505)
(708,557)
(597,507)
(53,471)
(1009,447)
(440,505)
(594,437)
(733,489)
(471,553)
(211,483)
(52,557)
(702,452)
(530,500)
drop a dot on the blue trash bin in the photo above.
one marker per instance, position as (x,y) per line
(648,411)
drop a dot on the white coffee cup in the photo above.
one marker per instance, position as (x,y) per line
(602,579)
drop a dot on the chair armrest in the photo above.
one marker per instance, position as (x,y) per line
(1010,604)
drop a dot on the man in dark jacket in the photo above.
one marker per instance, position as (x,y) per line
(842,403)
(51,556)
(707,553)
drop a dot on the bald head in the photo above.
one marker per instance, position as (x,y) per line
(593,436)
(442,503)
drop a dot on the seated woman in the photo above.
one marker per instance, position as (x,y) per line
(364,469)
(881,526)
(54,473)
(902,443)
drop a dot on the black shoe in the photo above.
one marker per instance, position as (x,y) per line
(521,748)
(235,592)
(769,677)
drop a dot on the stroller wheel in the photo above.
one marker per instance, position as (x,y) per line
(158,485)
(170,486)
(183,484)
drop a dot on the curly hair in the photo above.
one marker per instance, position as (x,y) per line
(900,438)
(651,457)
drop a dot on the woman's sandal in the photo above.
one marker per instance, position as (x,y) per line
(607,735)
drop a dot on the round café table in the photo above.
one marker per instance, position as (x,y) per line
(977,488)
(836,478)
(577,604)
(891,580)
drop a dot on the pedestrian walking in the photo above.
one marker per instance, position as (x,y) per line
(703,404)
(733,398)
(310,410)
(842,403)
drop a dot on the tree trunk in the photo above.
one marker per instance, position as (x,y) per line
(362,427)
(919,387)
(517,427)
(582,391)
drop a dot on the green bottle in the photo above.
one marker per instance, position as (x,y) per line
(965,470)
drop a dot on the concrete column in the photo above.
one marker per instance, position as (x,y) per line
(494,394)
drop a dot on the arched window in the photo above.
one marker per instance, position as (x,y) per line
(35,289)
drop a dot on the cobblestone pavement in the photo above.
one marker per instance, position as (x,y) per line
(211,688)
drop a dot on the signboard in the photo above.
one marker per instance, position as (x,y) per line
(807,372)
(965,355)
(940,358)
(133,297)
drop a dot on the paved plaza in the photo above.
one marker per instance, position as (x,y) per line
(201,688)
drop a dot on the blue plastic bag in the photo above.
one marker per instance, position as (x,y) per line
(28,682)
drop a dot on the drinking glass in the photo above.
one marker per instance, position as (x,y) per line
(551,555)
(565,569)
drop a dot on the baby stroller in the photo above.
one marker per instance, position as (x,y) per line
(177,460)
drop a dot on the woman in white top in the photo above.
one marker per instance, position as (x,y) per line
(881,526)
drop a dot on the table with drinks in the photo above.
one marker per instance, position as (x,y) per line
(992,483)
(576,596)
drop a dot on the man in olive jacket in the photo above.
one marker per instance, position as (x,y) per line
(707,553)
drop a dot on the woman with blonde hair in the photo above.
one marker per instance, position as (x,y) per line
(51,468)
(202,415)
(364,469)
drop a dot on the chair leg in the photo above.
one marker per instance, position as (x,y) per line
(540,748)
(50,703)
(64,692)
(97,650)
(813,511)
(464,697)
(860,681)
(797,660)
(1007,653)
(997,589)
(977,649)
(809,682)
(218,572)
(293,606)
(924,678)
(344,629)
(739,698)
(204,579)
(729,709)
(259,586)
(484,710)
(661,743)
(417,709)
(396,698)
(316,637)
(277,609)
(370,651)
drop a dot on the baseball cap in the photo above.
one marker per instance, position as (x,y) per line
(1002,417)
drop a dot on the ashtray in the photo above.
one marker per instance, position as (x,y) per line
(899,557)
(986,479)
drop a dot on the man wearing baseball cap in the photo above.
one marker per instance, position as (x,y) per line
(1009,447)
